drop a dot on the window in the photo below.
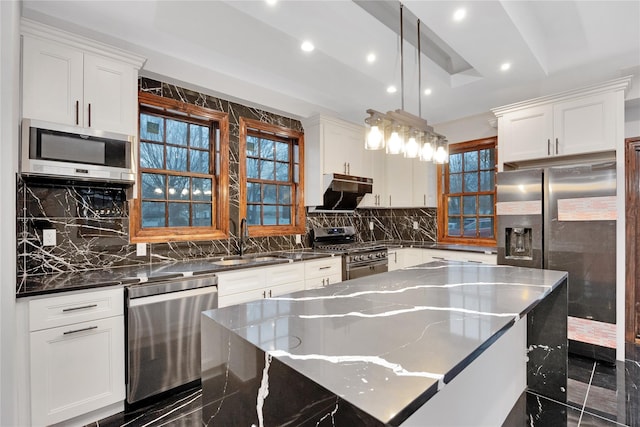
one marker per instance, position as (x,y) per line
(271,179)
(466,186)
(182,172)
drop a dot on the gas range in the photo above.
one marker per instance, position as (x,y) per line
(358,258)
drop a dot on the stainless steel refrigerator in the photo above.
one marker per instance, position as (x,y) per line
(564,218)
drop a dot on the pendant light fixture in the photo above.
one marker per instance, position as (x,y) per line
(389,130)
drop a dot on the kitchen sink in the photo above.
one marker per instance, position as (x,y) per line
(232,261)
(264,259)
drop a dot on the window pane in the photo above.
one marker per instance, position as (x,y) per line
(454,205)
(253,145)
(199,136)
(284,215)
(471,182)
(469,205)
(455,163)
(454,226)
(153,186)
(201,215)
(471,161)
(455,183)
(486,181)
(151,156)
(486,205)
(253,214)
(266,149)
(269,215)
(178,214)
(266,170)
(253,192)
(282,151)
(470,227)
(199,161)
(487,160)
(201,189)
(178,188)
(176,158)
(151,128)
(282,171)
(486,227)
(252,168)
(269,195)
(153,214)
(284,194)
(176,132)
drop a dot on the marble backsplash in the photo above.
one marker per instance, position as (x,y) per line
(92,220)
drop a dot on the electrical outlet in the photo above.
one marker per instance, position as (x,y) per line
(298,239)
(415,225)
(141,249)
(49,237)
(371,225)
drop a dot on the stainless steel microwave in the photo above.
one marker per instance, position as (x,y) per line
(54,150)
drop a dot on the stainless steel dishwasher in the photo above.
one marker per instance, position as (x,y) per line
(163,333)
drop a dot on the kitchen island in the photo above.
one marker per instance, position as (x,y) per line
(441,343)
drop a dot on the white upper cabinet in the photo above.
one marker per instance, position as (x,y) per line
(424,185)
(399,174)
(376,159)
(77,82)
(331,145)
(582,121)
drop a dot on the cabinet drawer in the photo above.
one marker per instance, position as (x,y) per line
(69,309)
(282,274)
(321,282)
(234,282)
(323,268)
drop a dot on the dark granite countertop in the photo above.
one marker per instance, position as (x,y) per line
(88,279)
(391,244)
(387,342)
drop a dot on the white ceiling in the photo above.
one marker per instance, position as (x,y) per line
(249,51)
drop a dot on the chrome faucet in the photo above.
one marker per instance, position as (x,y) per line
(244,233)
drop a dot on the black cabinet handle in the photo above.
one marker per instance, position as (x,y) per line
(80,330)
(548,147)
(64,310)
(77,112)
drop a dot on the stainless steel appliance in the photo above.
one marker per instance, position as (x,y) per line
(359,259)
(54,150)
(343,193)
(163,333)
(564,218)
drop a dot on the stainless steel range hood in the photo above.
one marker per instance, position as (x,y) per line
(343,193)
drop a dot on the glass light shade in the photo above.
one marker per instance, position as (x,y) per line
(375,139)
(412,148)
(440,155)
(395,145)
(426,154)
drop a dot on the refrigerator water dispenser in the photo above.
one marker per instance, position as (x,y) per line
(518,245)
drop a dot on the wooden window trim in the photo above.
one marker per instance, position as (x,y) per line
(220,195)
(442,208)
(299,218)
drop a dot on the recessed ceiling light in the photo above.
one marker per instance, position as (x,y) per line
(505,66)
(271,2)
(459,14)
(427,91)
(391,89)
(307,46)
(371,58)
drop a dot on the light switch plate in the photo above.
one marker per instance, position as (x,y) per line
(415,225)
(371,225)
(298,239)
(141,249)
(49,237)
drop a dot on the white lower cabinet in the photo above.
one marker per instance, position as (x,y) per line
(76,366)
(250,284)
(322,272)
(444,255)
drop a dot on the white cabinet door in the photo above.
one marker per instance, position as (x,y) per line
(585,125)
(343,148)
(526,134)
(399,176)
(321,282)
(286,289)
(322,272)
(241,297)
(110,96)
(424,184)
(377,164)
(394,263)
(52,82)
(233,282)
(76,369)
